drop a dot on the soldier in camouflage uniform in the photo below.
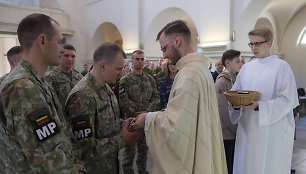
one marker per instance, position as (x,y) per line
(6,164)
(32,118)
(137,94)
(13,57)
(93,112)
(85,70)
(63,78)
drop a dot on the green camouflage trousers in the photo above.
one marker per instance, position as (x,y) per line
(130,154)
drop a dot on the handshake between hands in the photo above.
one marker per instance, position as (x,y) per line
(132,128)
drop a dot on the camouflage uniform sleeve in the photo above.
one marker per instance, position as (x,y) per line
(155,98)
(128,107)
(24,106)
(49,79)
(81,112)
(80,76)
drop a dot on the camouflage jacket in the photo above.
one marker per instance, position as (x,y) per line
(148,71)
(138,93)
(61,83)
(84,72)
(12,159)
(3,77)
(33,121)
(93,112)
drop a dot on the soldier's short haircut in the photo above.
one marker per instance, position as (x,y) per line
(177,27)
(229,55)
(13,52)
(137,52)
(69,47)
(107,51)
(32,26)
(266,33)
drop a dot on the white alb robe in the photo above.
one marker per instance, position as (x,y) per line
(264,141)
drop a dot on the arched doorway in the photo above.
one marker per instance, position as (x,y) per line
(292,49)
(265,22)
(106,32)
(152,48)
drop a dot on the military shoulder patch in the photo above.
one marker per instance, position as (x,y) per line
(81,129)
(45,127)
(121,89)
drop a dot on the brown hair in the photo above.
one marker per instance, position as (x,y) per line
(69,47)
(167,72)
(266,33)
(229,55)
(32,26)
(107,51)
(177,27)
(13,52)
(137,52)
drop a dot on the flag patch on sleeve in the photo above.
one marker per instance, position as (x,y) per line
(45,127)
(81,129)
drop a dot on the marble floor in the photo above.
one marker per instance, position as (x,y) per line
(299,149)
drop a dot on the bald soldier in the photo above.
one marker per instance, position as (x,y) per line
(32,116)
(63,78)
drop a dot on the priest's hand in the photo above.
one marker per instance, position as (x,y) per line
(252,105)
(139,121)
(129,135)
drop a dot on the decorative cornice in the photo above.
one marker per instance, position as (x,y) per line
(9,24)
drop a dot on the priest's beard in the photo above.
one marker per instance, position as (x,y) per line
(175,56)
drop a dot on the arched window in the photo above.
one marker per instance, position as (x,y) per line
(302,37)
(28,3)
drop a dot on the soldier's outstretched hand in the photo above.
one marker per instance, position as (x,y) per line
(129,135)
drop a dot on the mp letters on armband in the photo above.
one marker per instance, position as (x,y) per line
(45,127)
(81,129)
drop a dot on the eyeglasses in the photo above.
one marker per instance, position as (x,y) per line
(163,48)
(137,59)
(256,44)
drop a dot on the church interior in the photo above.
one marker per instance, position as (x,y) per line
(216,26)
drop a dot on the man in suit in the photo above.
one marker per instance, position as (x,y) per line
(219,68)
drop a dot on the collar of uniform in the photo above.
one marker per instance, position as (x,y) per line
(30,68)
(185,60)
(74,73)
(97,87)
(60,74)
(64,77)
(41,81)
(137,75)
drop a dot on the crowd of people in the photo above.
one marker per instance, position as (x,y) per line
(63,121)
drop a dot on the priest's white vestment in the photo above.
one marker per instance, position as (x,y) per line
(186,138)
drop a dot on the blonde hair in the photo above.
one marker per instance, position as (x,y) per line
(266,33)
